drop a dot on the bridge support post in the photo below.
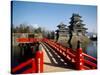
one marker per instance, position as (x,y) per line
(39,61)
(79,57)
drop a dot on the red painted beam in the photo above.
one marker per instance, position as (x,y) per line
(22,40)
(89,56)
(90,63)
(27,40)
(21,65)
(70,54)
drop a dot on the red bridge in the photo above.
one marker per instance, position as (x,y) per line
(60,57)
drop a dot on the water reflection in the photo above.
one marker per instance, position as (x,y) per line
(92,49)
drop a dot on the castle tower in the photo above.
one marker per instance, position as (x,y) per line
(77,32)
(76,26)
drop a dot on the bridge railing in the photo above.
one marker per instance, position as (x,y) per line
(82,62)
(27,40)
(76,57)
(36,62)
(66,52)
(23,65)
(36,65)
(92,63)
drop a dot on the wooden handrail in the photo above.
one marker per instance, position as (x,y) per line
(26,40)
(21,65)
(90,63)
(89,56)
(72,55)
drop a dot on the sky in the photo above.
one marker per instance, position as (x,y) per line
(49,15)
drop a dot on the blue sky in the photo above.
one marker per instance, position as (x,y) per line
(49,15)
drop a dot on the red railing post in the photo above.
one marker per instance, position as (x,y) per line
(79,58)
(39,61)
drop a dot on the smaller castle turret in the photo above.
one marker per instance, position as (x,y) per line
(62,33)
(62,30)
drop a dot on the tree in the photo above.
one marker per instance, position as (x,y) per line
(22,28)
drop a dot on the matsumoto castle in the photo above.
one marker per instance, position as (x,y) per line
(76,27)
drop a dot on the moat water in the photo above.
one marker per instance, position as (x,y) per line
(92,49)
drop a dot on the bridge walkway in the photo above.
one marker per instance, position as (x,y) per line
(52,61)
